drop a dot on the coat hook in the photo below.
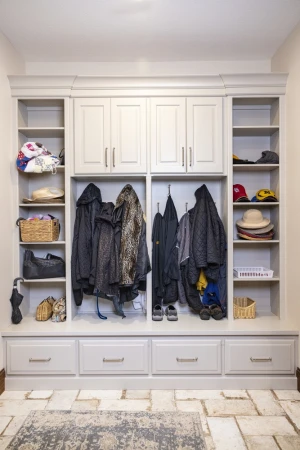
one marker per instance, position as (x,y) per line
(169,188)
(186,207)
(158,207)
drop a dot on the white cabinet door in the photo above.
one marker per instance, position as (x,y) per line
(168,135)
(128,135)
(92,135)
(205,135)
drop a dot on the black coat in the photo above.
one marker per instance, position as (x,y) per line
(171,267)
(208,239)
(89,206)
(158,259)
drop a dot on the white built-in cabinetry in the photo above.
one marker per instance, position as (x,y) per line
(110,135)
(153,133)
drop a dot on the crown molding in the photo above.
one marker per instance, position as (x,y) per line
(229,84)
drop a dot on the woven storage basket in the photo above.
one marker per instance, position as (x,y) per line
(244,308)
(39,230)
(44,310)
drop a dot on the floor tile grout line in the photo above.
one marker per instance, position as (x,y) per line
(11,419)
(242,435)
(278,445)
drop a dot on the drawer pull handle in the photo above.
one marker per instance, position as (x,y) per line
(39,360)
(106,165)
(114,163)
(261,359)
(187,359)
(191,156)
(113,360)
(182,156)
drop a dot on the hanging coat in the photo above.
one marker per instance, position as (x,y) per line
(171,269)
(208,239)
(132,222)
(183,244)
(89,206)
(158,259)
(107,261)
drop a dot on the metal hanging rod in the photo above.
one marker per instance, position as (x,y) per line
(157,206)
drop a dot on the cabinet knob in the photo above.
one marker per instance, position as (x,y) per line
(182,156)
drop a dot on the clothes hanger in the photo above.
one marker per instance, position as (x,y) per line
(186,207)
(158,207)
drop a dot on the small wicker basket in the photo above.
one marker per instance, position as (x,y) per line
(44,310)
(39,230)
(244,308)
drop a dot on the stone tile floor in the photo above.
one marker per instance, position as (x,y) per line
(231,420)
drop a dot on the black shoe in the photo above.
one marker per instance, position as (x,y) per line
(171,313)
(216,312)
(158,313)
(205,313)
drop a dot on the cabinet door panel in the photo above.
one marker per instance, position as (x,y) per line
(205,134)
(92,135)
(168,135)
(128,135)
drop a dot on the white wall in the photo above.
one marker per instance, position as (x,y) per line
(10,63)
(287,59)
(144,68)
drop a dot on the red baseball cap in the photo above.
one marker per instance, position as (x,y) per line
(239,193)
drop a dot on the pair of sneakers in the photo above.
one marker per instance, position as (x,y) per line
(170,311)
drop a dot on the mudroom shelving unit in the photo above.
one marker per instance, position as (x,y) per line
(157,134)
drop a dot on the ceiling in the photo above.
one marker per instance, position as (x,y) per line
(147,30)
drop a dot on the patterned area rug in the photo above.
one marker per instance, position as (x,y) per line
(109,430)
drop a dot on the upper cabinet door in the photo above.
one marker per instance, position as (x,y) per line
(92,135)
(128,135)
(168,135)
(204,135)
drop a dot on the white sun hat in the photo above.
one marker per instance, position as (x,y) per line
(253,219)
(46,195)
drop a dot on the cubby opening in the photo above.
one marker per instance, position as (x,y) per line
(42,113)
(35,292)
(110,188)
(182,190)
(256,112)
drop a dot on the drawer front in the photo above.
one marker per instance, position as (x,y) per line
(113,356)
(262,356)
(186,356)
(41,357)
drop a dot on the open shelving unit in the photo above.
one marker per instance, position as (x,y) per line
(255,128)
(40,120)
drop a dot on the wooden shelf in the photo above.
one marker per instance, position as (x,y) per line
(46,280)
(254,280)
(255,130)
(254,204)
(44,243)
(254,167)
(42,132)
(41,205)
(242,242)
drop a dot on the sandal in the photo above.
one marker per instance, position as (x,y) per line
(216,312)
(171,313)
(205,313)
(157,313)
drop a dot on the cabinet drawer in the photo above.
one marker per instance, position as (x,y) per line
(113,356)
(261,356)
(41,357)
(186,356)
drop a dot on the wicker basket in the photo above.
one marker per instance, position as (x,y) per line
(39,230)
(44,310)
(244,308)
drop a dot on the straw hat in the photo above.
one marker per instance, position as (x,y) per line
(46,195)
(253,219)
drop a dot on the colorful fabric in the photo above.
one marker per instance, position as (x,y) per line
(202,282)
(34,157)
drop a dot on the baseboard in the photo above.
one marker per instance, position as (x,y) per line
(14,383)
(298,378)
(2,381)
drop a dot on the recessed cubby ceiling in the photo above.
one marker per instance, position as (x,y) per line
(147,30)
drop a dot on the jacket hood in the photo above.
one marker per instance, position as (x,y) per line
(90,194)
(200,191)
